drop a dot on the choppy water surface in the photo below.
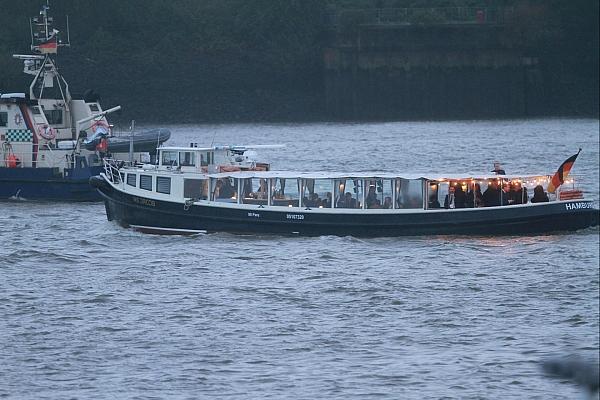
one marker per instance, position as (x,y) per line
(91,310)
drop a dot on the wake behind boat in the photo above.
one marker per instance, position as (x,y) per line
(183,194)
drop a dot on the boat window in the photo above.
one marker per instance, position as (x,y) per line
(379,193)
(54,117)
(225,190)
(286,192)
(163,184)
(348,193)
(94,107)
(36,110)
(169,158)
(409,193)
(131,179)
(254,190)
(433,191)
(3,118)
(317,193)
(195,189)
(503,192)
(206,158)
(146,182)
(187,159)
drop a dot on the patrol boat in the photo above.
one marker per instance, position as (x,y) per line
(50,143)
(182,194)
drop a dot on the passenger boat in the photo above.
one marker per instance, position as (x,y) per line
(51,143)
(184,194)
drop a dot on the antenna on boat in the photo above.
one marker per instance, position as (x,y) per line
(68,33)
(131,132)
(212,142)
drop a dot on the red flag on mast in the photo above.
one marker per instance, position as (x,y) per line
(562,173)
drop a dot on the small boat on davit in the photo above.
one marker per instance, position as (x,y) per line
(188,192)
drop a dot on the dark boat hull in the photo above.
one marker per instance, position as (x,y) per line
(45,184)
(155,216)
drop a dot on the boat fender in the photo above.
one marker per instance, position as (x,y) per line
(12,161)
(46,132)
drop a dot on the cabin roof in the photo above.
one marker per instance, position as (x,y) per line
(222,147)
(371,174)
(176,148)
(8,98)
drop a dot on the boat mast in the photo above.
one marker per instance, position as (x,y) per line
(44,43)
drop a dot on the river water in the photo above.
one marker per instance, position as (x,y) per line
(92,310)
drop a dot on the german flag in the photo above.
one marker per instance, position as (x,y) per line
(562,173)
(50,46)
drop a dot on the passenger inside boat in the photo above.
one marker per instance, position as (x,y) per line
(387,203)
(518,194)
(349,193)
(539,196)
(473,197)
(262,189)
(326,203)
(224,189)
(456,197)
(312,201)
(498,192)
(432,199)
(347,201)
(491,195)
(371,198)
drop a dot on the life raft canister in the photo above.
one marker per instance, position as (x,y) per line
(46,132)
(12,161)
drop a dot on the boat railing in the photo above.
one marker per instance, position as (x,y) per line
(111,170)
(26,157)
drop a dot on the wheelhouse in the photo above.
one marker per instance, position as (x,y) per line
(210,159)
(186,158)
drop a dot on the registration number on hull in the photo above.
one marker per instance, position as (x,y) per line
(144,202)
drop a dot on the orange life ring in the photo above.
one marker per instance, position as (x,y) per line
(12,161)
(46,132)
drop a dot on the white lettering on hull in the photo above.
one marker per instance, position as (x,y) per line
(577,206)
